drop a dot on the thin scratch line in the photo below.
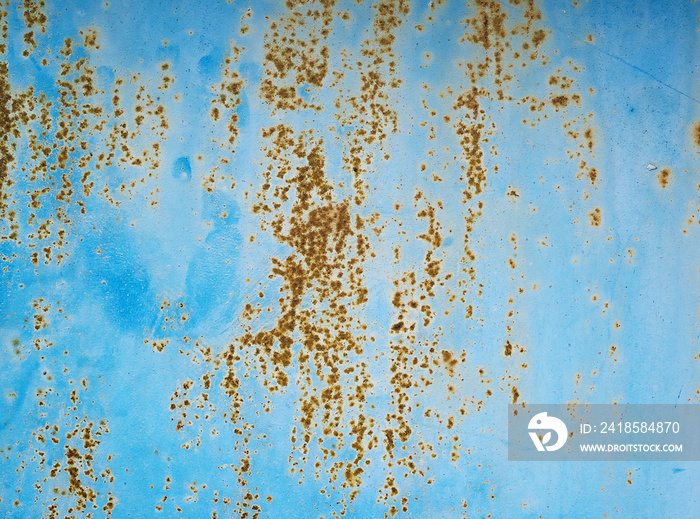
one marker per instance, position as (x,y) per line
(635,67)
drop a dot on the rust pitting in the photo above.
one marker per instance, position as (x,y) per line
(305,327)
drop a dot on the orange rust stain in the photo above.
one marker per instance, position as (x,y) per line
(664,177)
(515,394)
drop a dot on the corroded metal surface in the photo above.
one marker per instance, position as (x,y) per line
(295,259)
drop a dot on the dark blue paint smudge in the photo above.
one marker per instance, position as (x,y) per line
(119,279)
(182,169)
(209,66)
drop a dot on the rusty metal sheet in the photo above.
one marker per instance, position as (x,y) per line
(295,259)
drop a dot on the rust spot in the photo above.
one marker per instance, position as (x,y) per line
(664,177)
(538,37)
(593,175)
(508,349)
(595,217)
(560,101)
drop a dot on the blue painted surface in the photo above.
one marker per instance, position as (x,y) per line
(169,239)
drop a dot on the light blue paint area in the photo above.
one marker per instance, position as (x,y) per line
(168,53)
(213,281)
(243,112)
(192,249)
